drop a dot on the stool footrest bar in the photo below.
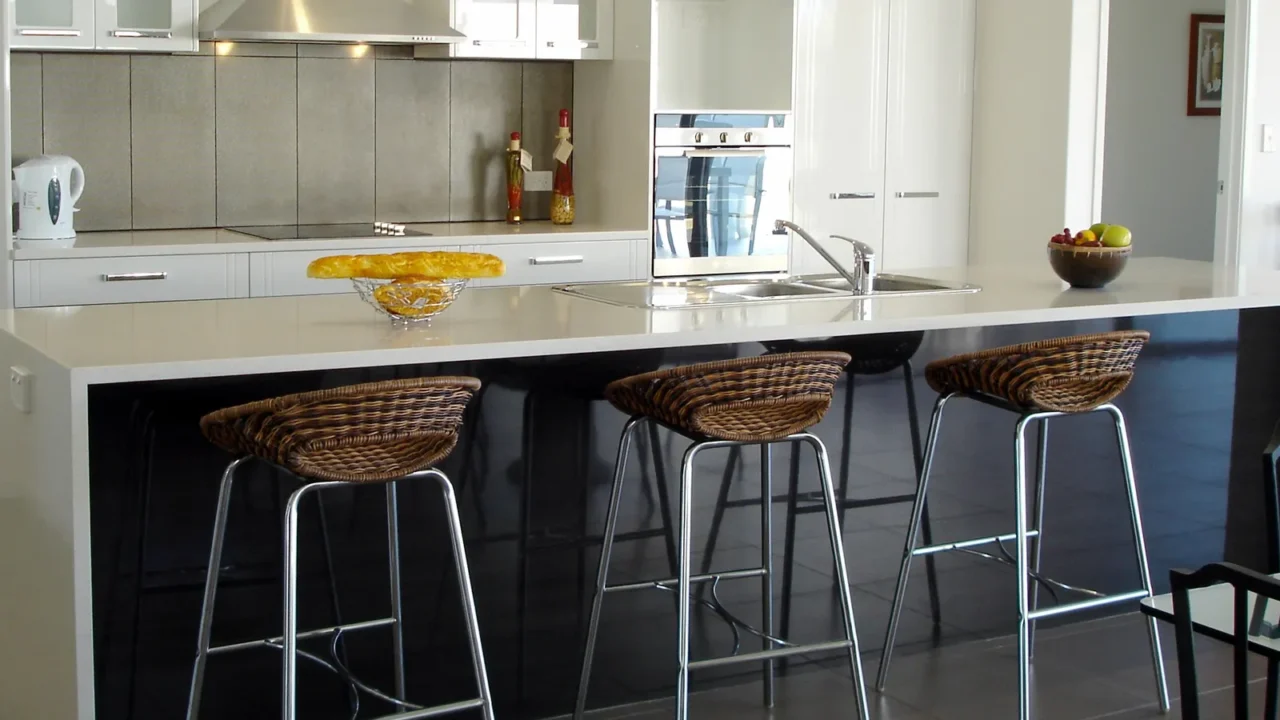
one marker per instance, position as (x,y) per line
(275,642)
(1087,604)
(770,654)
(672,582)
(436,711)
(946,547)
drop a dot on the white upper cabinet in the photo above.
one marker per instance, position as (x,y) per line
(884,121)
(575,29)
(495,28)
(724,55)
(841,85)
(133,25)
(52,24)
(141,25)
(930,133)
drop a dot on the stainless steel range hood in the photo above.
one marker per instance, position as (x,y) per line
(398,22)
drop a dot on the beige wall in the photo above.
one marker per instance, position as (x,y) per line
(282,134)
(1161,170)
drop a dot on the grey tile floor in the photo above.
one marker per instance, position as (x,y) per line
(1086,671)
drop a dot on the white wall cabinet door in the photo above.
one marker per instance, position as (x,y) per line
(930,133)
(51,24)
(575,29)
(841,87)
(495,28)
(147,25)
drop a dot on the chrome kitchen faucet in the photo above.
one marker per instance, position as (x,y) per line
(862,280)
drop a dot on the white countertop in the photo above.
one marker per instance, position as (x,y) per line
(214,241)
(156,341)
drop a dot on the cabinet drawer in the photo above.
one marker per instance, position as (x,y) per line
(285,273)
(98,281)
(563,262)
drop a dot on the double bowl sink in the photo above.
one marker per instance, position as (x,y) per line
(658,295)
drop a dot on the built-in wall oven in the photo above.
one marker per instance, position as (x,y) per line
(720,182)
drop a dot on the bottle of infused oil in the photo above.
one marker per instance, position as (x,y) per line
(562,201)
(515,179)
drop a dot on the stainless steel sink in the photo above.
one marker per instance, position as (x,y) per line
(888,284)
(679,294)
(772,290)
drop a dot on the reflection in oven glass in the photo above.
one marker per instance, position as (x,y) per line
(719,207)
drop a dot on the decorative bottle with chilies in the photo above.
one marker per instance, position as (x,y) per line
(562,201)
(515,180)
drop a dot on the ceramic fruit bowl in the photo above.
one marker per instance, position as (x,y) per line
(1088,267)
(411,299)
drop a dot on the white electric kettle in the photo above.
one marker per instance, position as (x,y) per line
(46,190)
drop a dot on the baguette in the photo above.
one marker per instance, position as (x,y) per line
(437,265)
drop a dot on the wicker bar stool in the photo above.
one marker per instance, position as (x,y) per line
(1037,381)
(760,402)
(375,433)
(872,355)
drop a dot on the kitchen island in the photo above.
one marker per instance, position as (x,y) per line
(63,355)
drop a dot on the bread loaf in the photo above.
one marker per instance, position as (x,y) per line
(438,265)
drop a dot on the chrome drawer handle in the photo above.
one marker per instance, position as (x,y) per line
(49,33)
(500,43)
(134,277)
(913,195)
(575,45)
(853,196)
(558,260)
(150,34)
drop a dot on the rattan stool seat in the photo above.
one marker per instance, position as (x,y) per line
(1072,374)
(758,399)
(375,432)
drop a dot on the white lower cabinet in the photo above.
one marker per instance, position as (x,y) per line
(563,262)
(160,278)
(884,128)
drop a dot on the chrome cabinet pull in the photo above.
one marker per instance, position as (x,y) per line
(149,34)
(853,196)
(911,195)
(134,277)
(576,44)
(49,33)
(500,43)
(558,260)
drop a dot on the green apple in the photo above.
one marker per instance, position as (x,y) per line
(1099,229)
(1117,236)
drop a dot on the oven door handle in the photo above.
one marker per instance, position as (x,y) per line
(725,153)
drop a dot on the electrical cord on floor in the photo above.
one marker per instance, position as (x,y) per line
(1049,584)
(353,683)
(734,623)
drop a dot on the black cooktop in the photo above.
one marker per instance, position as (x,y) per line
(353,231)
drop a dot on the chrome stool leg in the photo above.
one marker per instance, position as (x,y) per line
(842,572)
(468,595)
(397,609)
(211,589)
(1042,453)
(683,582)
(913,530)
(1140,544)
(602,574)
(289,640)
(1023,570)
(766,562)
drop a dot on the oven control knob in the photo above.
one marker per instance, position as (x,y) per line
(697,137)
(724,137)
(749,137)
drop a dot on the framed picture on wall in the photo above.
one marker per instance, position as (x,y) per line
(1204,77)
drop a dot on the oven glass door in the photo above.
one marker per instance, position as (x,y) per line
(714,210)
